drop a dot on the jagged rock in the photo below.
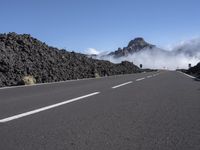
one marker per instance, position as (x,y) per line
(135,45)
(23,55)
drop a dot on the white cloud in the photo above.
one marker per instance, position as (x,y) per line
(192,45)
(91,51)
(179,56)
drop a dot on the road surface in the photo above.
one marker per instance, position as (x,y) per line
(147,111)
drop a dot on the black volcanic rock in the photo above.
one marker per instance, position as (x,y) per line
(23,55)
(194,70)
(135,45)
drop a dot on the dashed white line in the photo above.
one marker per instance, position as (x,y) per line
(117,86)
(139,79)
(149,76)
(46,108)
(154,75)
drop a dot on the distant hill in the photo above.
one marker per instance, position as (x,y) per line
(23,56)
(135,45)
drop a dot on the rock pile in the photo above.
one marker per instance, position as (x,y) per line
(23,55)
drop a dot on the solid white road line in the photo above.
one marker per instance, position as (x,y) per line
(187,75)
(114,87)
(49,83)
(46,108)
(140,79)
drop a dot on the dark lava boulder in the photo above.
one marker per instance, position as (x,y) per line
(22,56)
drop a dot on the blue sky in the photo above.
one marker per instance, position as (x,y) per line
(101,24)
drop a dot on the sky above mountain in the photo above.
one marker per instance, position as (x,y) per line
(104,25)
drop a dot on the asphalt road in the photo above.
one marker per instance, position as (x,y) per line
(147,111)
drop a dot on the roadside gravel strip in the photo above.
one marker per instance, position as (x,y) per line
(187,75)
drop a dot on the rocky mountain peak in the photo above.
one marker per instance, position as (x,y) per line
(134,45)
(139,43)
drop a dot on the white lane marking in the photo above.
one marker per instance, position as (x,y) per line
(46,108)
(140,79)
(149,76)
(187,75)
(155,75)
(117,86)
